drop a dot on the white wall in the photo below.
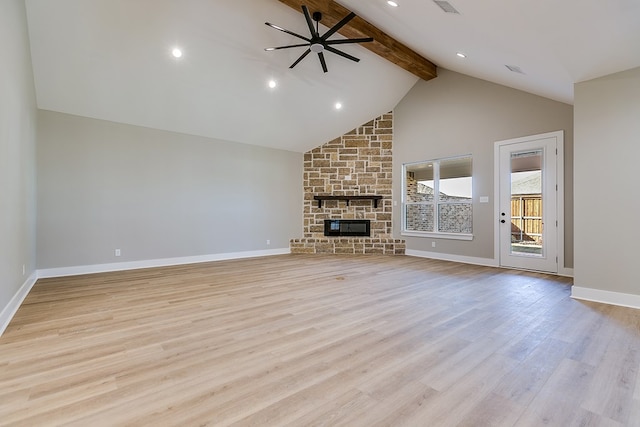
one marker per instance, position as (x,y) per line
(607,191)
(17,156)
(156,194)
(454,115)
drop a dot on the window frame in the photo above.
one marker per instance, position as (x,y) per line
(435,203)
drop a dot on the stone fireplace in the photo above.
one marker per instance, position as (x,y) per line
(350,178)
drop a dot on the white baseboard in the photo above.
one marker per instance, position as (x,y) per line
(606,297)
(487,262)
(567,272)
(10,310)
(164,262)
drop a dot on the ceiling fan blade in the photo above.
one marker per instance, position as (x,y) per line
(339,25)
(323,62)
(286,47)
(346,41)
(344,55)
(307,16)
(288,32)
(306,52)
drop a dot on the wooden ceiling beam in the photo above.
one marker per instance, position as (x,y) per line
(383,44)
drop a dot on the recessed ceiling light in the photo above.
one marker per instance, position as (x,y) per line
(338,106)
(177,53)
(461,55)
(392,3)
(272,84)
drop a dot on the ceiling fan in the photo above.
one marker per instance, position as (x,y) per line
(319,43)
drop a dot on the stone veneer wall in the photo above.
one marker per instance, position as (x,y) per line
(358,163)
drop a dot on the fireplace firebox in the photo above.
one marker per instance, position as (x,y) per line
(347,227)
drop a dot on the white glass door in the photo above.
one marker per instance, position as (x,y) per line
(527,217)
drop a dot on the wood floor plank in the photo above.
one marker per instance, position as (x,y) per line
(398,406)
(558,402)
(315,340)
(616,373)
(492,410)
(522,385)
(334,412)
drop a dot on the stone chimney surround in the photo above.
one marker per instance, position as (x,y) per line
(358,163)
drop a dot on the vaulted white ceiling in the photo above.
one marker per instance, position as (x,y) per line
(111,60)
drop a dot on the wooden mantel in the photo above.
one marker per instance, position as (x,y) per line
(383,44)
(373,197)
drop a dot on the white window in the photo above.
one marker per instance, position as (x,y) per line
(437,198)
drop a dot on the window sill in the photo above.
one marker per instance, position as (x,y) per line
(451,236)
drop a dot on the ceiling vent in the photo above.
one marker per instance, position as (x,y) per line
(515,69)
(446,6)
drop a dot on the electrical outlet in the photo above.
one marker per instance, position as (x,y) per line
(24,270)
(117,252)
(268,242)
(433,244)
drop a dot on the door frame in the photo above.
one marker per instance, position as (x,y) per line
(559,135)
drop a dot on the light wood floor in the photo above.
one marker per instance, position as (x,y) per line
(299,340)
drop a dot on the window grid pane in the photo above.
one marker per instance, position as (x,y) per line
(455,218)
(420,217)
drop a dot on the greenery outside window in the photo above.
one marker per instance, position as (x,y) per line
(437,198)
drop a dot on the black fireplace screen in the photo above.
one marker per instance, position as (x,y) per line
(347,227)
